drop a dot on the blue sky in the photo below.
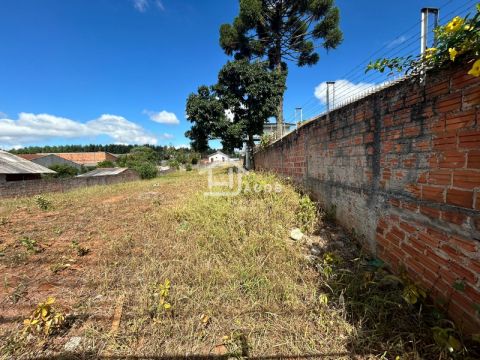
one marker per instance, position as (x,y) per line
(119,71)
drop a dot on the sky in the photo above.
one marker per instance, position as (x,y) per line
(119,71)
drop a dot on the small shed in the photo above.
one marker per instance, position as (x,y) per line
(15,168)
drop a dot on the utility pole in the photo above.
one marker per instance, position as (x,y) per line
(299,109)
(330,104)
(425,12)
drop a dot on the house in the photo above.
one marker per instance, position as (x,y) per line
(218,157)
(15,168)
(88,158)
(108,172)
(49,160)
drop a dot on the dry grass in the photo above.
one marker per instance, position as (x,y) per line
(239,287)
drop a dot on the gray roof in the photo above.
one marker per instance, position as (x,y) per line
(12,164)
(104,172)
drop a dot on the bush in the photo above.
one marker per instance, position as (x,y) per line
(194,161)
(64,171)
(188,167)
(146,170)
(174,164)
(105,164)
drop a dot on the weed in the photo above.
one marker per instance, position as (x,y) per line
(56,268)
(43,203)
(80,250)
(307,214)
(159,300)
(31,245)
(19,292)
(45,319)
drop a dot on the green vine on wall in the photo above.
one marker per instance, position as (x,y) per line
(460,38)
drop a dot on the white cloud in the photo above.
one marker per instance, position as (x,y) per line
(344,90)
(398,41)
(166,136)
(30,128)
(162,117)
(141,5)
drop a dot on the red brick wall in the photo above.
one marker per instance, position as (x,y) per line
(34,187)
(402,167)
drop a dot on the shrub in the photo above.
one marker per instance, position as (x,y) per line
(174,164)
(188,167)
(146,170)
(43,203)
(106,164)
(307,214)
(44,319)
(63,171)
(194,160)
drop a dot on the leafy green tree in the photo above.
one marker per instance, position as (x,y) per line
(252,93)
(281,31)
(207,114)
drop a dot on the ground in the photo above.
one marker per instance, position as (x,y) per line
(155,268)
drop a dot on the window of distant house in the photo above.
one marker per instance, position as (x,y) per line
(223,159)
(211,159)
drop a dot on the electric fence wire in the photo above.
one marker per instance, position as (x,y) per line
(356,83)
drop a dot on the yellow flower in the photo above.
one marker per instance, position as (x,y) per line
(453,53)
(468,27)
(455,24)
(430,52)
(475,70)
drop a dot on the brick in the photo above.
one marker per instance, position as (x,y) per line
(409,206)
(447,103)
(413,190)
(440,177)
(463,244)
(460,120)
(473,159)
(409,229)
(447,141)
(433,193)
(460,198)
(471,97)
(452,159)
(467,179)
(411,131)
(437,89)
(453,217)
(469,139)
(430,212)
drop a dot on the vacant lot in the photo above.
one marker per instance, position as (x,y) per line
(156,268)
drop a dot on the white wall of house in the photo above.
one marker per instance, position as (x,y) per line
(218,158)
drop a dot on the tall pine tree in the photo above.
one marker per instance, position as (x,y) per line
(281,31)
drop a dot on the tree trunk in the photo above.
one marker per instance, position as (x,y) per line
(278,68)
(250,162)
